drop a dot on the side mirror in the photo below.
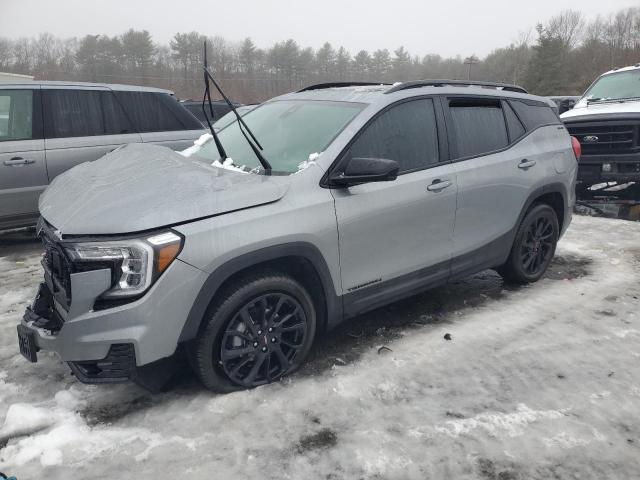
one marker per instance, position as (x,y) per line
(365,170)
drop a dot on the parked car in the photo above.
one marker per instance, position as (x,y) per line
(564,103)
(49,127)
(366,195)
(220,109)
(606,122)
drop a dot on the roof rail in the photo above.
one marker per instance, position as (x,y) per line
(321,86)
(456,83)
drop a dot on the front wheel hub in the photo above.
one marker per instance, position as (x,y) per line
(279,314)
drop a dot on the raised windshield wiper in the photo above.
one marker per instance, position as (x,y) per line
(243,126)
(207,96)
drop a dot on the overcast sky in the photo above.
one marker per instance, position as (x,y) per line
(447,27)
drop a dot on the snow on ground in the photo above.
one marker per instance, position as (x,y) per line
(537,382)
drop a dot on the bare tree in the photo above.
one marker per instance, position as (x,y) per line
(568,26)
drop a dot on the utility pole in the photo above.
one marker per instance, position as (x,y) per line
(472,60)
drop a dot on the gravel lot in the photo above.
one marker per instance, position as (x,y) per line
(536,382)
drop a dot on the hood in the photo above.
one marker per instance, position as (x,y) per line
(142,187)
(581,109)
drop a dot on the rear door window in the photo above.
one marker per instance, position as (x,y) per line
(406,133)
(72,113)
(16,115)
(478,126)
(156,112)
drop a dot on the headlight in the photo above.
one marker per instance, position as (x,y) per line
(135,264)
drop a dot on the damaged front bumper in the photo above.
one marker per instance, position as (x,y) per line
(39,330)
(112,344)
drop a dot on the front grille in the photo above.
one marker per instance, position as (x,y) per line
(58,266)
(607,137)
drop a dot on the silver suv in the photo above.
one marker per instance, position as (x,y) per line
(374,194)
(49,127)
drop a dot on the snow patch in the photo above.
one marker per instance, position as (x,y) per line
(512,424)
(308,162)
(566,441)
(600,396)
(228,165)
(624,333)
(22,417)
(197,145)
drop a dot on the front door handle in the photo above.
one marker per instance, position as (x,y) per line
(15,161)
(524,164)
(438,185)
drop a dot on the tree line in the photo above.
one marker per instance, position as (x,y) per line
(561,56)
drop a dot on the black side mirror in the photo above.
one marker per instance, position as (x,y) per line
(365,170)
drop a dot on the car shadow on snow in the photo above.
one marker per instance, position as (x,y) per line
(380,327)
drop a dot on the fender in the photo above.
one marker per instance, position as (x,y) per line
(556,187)
(293,249)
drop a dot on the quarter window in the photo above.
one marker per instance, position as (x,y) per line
(406,133)
(535,115)
(16,115)
(514,125)
(478,126)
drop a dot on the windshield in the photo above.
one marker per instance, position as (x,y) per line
(288,130)
(615,86)
(229,117)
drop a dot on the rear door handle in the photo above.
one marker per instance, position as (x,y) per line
(15,161)
(438,185)
(524,164)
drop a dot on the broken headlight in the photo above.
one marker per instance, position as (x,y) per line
(135,264)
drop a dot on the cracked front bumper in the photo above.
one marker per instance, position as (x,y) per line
(133,334)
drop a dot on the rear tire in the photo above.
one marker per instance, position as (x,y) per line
(533,247)
(260,330)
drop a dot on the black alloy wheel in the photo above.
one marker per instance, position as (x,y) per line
(537,245)
(262,339)
(258,329)
(533,247)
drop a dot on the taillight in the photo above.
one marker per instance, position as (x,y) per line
(577,148)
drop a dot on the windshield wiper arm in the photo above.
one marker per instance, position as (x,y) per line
(207,96)
(256,149)
(611,100)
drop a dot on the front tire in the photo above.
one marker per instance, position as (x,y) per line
(534,246)
(262,329)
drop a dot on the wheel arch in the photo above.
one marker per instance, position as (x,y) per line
(552,194)
(301,260)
